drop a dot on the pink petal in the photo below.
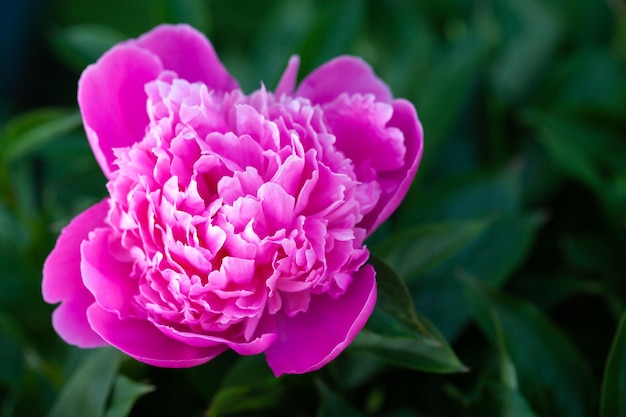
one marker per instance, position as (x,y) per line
(395,184)
(62,279)
(144,342)
(310,340)
(360,125)
(252,347)
(69,320)
(288,80)
(113,101)
(278,206)
(105,277)
(345,74)
(189,53)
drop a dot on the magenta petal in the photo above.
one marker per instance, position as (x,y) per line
(253,347)
(107,278)
(345,74)
(113,101)
(69,320)
(395,184)
(256,346)
(288,80)
(144,342)
(62,279)
(190,54)
(310,340)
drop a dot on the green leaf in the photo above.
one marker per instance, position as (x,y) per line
(613,403)
(30,131)
(82,44)
(86,392)
(502,397)
(499,400)
(456,73)
(565,145)
(194,12)
(11,355)
(428,245)
(333,32)
(472,197)
(590,82)
(553,376)
(533,32)
(334,405)
(13,236)
(237,399)
(508,373)
(555,288)
(397,334)
(125,393)
(501,248)
(492,256)
(249,385)
(286,27)
(33,396)
(402,62)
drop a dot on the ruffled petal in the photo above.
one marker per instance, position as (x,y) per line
(112,100)
(62,280)
(345,74)
(395,184)
(310,340)
(189,53)
(144,342)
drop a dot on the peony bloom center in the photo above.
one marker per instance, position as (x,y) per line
(232,207)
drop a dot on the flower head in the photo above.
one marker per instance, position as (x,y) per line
(233,221)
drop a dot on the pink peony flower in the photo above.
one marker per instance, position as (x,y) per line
(234,221)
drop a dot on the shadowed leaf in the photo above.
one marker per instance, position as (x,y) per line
(614,385)
(398,334)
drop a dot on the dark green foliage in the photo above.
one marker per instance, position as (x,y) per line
(502,277)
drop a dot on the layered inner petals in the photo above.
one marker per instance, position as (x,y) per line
(231,209)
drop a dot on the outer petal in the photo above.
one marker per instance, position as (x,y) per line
(144,342)
(395,184)
(288,80)
(106,278)
(189,53)
(345,74)
(69,320)
(310,340)
(113,101)
(62,279)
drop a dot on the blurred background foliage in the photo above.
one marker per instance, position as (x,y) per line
(502,276)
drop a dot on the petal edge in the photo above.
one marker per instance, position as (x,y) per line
(185,50)
(144,342)
(344,74)
(395,184)
(310,340)
(112,100)
(62,281)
